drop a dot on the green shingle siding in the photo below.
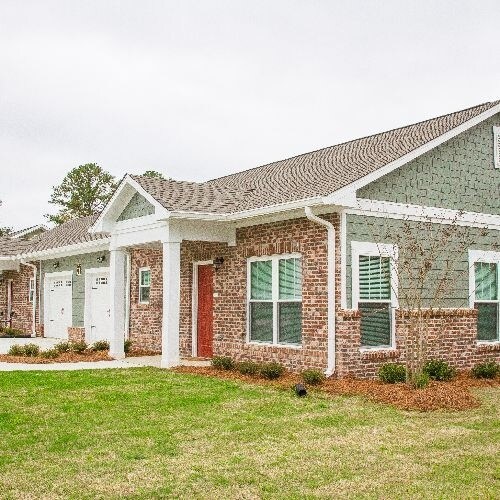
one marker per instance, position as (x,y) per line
(374,229)
(459,174)
(138,206)
(87,261)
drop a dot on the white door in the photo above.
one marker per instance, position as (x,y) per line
(98,303)
(59,310)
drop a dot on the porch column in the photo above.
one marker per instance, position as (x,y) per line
(171,303)
(117,261)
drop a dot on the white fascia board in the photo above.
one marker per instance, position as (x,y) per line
(123,194)
(391,210)
(67,251)
(346,192)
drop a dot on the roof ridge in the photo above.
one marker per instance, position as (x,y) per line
(492,103)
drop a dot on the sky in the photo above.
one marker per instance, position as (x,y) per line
(200,89)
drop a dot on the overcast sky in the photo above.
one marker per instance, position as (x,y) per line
(201,89)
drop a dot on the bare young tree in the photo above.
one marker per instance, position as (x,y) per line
(430,271)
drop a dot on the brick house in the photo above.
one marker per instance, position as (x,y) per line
(297,261)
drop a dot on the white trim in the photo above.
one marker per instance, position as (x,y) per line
(490,257)
(143,270)
(194,305)
(496,146)
(32,280)
(391,210)
(347,191)
(364,248)
(89,273)
(343,259)
(68,250)
(275,258)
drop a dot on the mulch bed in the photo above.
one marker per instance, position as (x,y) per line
(453,395)
(134,353)
(65,357)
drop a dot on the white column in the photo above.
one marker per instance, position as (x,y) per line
(171,304)
(117,303)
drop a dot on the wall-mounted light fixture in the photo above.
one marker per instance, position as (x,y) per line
(218,261)
(78,269)
(101,258)
(55,265)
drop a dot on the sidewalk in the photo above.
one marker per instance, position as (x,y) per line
(132,362)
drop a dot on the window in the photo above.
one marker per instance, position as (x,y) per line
(374,292)
(485,280)
(275,300)
(31,293)
(144,285)
(496,146)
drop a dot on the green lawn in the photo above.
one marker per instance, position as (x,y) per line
(143,433)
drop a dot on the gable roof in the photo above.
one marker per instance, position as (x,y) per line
(309,175)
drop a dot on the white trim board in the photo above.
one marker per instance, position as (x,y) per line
(391,210)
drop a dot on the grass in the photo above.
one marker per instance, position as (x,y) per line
(143,433)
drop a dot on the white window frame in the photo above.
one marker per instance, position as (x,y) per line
(488,257)
(143,270)
(31,290)
(367,249)
(496,146)
(275,300)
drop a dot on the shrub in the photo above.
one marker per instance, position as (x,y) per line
(489,369)
(272,370)
(439,370)
(13,332)
(391,373)
(127,346)
(16,350)
(100,345)
(79,347)
(31,350)
(421,380)
(222,363)
(63,347)
(248,368)
(313,377)
(49,354)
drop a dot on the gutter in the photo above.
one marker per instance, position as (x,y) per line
(330,370)
(35,270)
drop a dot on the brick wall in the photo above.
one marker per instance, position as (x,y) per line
(146,319)
(21,306)
(230,289)
(451,336)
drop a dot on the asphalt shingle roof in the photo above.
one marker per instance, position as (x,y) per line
(317,173)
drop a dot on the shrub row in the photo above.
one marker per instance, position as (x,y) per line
(33,350)
(270,371)
(434,369)
(8,332)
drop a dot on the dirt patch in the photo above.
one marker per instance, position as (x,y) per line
(453,395)
(65,357)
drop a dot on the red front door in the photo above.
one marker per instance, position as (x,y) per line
(205,311)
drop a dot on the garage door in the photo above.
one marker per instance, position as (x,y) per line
(97,303)
(58,300)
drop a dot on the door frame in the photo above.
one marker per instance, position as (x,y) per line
(46,296)
(89,273)
(194,305)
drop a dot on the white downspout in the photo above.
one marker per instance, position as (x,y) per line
(330,370)
(35,270)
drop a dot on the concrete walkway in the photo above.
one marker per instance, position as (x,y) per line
(132,362)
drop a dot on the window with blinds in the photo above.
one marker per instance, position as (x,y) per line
(275,300)
(375,302)
(487,301)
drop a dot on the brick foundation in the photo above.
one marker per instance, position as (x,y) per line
(76,334)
